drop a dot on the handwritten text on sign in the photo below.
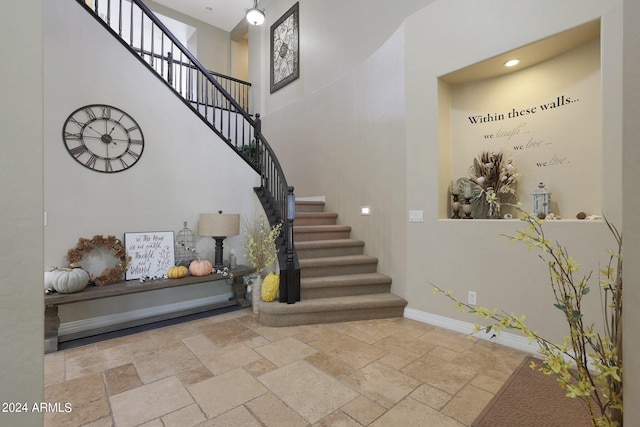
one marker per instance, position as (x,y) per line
(151,253)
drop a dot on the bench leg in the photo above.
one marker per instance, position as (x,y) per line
(238,292)
(51,325)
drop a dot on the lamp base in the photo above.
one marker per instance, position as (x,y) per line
(218,264)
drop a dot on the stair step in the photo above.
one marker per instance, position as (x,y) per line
(329,248)
(337,266)
(309,206)
(344,285)
(316,218)
(305,233)
(330,310)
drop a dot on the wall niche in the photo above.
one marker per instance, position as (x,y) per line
(545,114)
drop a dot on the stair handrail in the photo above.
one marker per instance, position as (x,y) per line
(251,146)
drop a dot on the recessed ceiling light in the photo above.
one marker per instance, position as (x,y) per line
(209,8)
(512,63)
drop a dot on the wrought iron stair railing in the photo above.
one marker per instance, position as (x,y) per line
(133,24)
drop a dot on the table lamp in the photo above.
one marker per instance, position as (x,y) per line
(219,226)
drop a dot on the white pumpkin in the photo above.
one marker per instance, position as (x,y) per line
(48,279)
(68,280)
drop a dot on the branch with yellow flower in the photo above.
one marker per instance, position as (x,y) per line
(588,364)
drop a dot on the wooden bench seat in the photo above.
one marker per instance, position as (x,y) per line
(52,301)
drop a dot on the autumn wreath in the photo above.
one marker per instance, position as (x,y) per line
(109,275)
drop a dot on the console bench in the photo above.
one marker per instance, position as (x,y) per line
(52,301)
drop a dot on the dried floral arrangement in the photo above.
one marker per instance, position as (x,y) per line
(495,171)
(260,246)
(109,275)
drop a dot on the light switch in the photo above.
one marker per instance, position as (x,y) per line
(416,216)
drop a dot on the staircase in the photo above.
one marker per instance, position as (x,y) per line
(163,54)
(337,281)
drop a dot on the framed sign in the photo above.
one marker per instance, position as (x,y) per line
(151,253)
(285,64)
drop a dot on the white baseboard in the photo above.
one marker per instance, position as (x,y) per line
(504,338)
(102,322)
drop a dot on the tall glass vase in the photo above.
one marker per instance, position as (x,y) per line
(494,210)
(256,292)
(493,200)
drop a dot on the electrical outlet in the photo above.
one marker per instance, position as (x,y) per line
(472,298)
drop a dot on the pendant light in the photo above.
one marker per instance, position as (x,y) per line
(255,16)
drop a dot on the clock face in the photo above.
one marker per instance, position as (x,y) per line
(103,138)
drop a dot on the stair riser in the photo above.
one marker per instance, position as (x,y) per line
(338,270)
(295,319)
(329,252)
(299,236)
(318,220)
(309,207)
(344,291)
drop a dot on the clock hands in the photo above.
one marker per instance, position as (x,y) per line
(114,126)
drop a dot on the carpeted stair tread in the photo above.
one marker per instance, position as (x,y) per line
(337,261)
(320,228)
(326,310)
(345,280)
(329,248)
(330,243)
(339,265)
(320,232)
(309,206)
(315,218)
(329,310)
(344,285)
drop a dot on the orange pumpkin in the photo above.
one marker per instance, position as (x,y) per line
(200,267)
(177,272)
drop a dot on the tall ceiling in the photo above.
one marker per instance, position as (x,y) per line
(224,14)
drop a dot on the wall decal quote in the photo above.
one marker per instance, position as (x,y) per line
(519,135)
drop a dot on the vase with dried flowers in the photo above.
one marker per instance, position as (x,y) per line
(260,252)
(496,176)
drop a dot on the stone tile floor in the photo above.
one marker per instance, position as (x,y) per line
(228,370)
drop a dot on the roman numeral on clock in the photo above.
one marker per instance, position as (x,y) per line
(79,150)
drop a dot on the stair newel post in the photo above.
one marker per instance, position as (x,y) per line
(293,291)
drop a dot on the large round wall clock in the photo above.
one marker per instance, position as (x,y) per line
(103,138)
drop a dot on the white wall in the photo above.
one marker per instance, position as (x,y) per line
(631,207)
(345,131)
(214,44)
(472,255)
(21,230)
(184,170)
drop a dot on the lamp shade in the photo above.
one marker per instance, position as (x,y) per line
(219,225)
